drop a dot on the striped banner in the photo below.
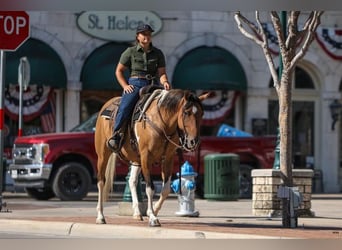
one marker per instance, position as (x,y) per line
(330,39)
(218,106)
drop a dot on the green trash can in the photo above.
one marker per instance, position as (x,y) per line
(221,176)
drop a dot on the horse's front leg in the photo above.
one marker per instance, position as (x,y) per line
(165,191)
(133,181)
(153,220)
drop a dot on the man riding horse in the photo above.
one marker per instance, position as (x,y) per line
(146,64)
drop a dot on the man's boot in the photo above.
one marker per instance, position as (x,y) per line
(114,143)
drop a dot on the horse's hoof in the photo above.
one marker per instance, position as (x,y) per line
(101,221)
(154,223)
(138,217)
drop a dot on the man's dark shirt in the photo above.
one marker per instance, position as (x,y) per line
(141,63)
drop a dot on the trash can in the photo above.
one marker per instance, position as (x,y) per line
(221,176)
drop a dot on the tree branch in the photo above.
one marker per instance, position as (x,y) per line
(279,31)
(260,38)
(310,28)
(292,38)
(254,37)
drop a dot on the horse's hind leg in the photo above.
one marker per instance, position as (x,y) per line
(133,181)
(101,166)
(100,219)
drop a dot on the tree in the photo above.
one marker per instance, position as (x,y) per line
(293,44)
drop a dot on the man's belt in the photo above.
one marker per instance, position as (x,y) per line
(147,76)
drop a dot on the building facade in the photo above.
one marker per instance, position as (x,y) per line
(73,58)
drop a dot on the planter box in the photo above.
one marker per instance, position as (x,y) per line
(265,187)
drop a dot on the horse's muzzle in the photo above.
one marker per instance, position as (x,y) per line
(189,144)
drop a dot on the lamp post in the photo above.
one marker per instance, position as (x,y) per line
(335,110)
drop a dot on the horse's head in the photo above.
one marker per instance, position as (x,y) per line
(189,120)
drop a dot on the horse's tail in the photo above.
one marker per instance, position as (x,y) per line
(109,176)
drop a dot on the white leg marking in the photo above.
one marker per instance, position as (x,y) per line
(100,217)
(133,181)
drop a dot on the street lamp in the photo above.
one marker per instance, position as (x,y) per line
(335,109)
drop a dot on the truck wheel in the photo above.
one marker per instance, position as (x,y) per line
(41,194)
(245,177)
(71,182)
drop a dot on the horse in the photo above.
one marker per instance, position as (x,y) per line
(169,120)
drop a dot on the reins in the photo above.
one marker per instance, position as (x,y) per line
(160,131)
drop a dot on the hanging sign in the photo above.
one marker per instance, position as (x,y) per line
(116,25)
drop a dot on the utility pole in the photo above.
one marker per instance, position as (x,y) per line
(2,119)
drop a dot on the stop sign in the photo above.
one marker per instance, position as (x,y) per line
(14,29)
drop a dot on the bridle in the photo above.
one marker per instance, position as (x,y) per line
(161,131)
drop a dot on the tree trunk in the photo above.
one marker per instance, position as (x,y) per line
(285,130)
(285,127)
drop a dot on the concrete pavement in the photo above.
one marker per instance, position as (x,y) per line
(217,220)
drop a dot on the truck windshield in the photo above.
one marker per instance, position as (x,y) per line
(86,126)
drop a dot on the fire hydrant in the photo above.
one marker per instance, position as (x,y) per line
(185,187)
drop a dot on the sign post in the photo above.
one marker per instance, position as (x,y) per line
(23,80)
(14,31)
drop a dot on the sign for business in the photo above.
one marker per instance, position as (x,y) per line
(116,25)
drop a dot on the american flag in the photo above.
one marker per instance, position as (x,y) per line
(48,116)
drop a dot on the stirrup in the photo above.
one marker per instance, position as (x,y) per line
(114,143)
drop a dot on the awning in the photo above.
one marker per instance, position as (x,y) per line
(209,68)
(98,72)
(46,66)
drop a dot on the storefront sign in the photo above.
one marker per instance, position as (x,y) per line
(116,25)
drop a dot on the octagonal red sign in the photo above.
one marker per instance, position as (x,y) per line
(14,29)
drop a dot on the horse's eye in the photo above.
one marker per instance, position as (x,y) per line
(194,109)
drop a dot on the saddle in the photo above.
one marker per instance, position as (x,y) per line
(147,95)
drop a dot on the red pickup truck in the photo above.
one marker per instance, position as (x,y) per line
(64,164)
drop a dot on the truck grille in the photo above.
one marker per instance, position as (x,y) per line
(21,161)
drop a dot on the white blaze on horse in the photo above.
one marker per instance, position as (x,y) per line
(169,120)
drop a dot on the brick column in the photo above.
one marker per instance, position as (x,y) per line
(265,187)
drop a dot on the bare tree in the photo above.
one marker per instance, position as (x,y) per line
(293,44)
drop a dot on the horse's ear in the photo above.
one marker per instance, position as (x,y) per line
(205,95)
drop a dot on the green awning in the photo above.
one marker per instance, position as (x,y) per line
(98,72)
(46,66)
(209,68)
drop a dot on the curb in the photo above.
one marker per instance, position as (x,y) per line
(85,230)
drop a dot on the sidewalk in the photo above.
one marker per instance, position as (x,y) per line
(217,220)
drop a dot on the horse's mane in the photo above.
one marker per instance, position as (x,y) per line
(170,99)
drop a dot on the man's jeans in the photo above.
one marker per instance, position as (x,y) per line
(128,101)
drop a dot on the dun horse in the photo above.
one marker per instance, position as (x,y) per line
(168,120)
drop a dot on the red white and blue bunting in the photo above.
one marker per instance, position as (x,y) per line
(218,106)
(330,39)
(38,101)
